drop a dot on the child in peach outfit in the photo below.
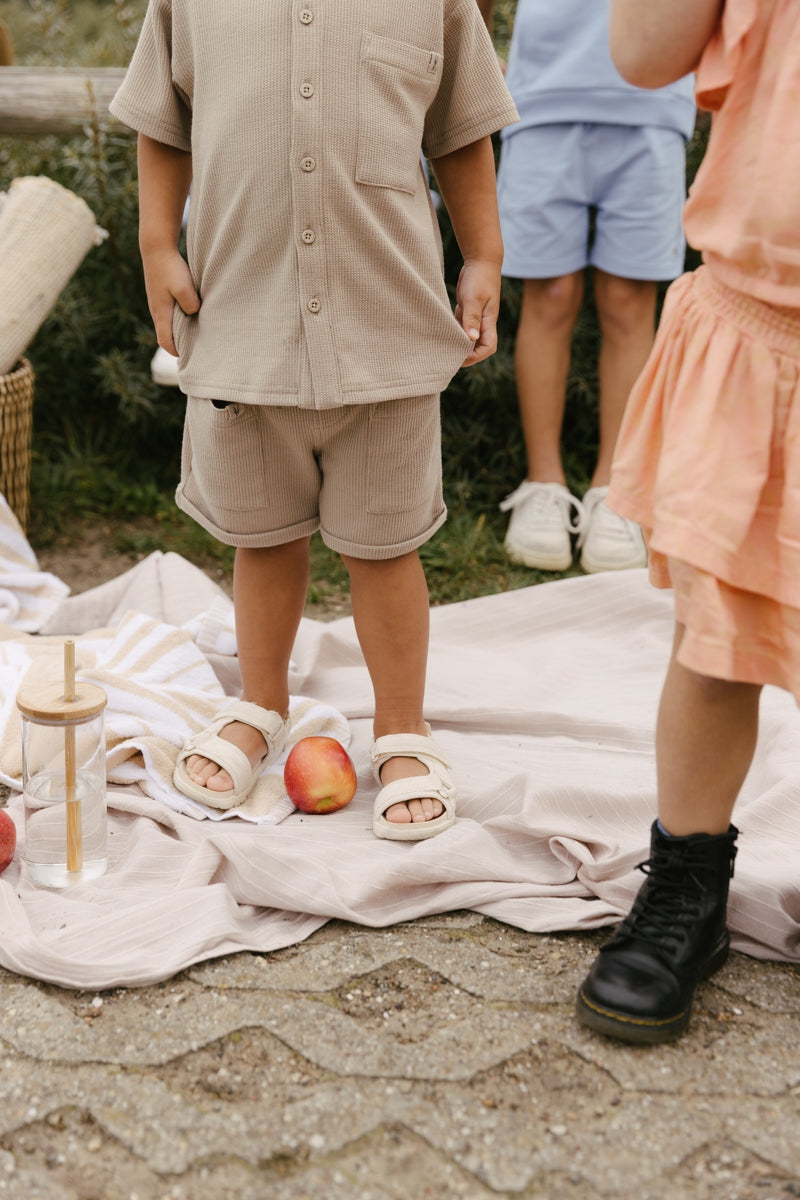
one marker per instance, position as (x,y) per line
(708,462)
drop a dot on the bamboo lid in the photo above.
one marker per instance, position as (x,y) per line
(46,702)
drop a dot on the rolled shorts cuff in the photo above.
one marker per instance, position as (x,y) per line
(382,553)
(250,541)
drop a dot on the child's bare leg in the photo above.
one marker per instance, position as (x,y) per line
(547,318)
(705,741)
(269,594)
(391,615)
(626,311)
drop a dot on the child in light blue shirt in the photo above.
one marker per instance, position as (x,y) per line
(591,176)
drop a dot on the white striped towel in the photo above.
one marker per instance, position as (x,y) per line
(161,688)
(28,596)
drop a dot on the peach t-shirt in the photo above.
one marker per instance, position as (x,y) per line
(743,210)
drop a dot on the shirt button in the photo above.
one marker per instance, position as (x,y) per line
(314,304)
(308,163)
(306,16)
(308,236)
(307,90)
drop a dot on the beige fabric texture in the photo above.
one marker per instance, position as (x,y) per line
(545,701)
(312,238)
(368,476)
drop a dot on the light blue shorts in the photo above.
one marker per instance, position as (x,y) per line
(552,177)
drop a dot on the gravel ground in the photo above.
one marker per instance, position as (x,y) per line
(439,1058)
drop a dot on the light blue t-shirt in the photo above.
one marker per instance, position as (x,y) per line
(560,70)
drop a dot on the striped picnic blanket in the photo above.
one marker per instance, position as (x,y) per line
(544,699)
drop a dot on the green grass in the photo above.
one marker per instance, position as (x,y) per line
(73,33)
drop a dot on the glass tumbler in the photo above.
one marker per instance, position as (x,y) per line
(64,783)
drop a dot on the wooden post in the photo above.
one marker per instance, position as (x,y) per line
(39,100)
(6,46)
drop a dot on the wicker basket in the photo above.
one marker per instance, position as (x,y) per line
(16,417)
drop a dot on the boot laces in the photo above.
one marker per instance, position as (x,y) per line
(665,912)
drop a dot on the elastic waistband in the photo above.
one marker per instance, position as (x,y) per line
(778,328)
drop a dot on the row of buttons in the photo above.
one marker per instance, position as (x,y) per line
(309,237)
(307,163)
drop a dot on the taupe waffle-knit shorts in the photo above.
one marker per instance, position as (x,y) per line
(367,476)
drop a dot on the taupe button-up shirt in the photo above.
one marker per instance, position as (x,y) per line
(312,239)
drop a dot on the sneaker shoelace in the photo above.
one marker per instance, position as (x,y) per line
(594,509)
(546,501)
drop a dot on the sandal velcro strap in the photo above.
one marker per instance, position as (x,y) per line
(414,788)
(407,745)
(265,720)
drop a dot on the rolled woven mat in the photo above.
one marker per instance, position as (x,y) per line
(45,233)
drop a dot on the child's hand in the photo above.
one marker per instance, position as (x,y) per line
(478,303)
(167,279)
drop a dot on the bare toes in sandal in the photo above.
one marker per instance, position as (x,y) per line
(417,799)
(218,772)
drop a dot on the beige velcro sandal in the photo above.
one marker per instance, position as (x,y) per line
(436,784)
(233,760)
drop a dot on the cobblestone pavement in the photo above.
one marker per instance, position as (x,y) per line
(436,1059)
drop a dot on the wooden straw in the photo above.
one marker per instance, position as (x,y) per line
(74,832)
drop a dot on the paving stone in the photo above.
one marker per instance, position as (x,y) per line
(728,1049)
(485,958)
(438,1058)
(774,987)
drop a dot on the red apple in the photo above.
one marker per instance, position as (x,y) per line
(319,776)
(8,839)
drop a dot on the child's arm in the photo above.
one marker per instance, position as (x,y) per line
(655,42)
(467,185)
(165,176)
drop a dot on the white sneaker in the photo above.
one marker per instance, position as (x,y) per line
(539,531)
(607,541)
(164,368)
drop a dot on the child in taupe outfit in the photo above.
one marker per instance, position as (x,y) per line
(313,328)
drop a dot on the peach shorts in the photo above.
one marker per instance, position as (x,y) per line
(708,462)
(367,476)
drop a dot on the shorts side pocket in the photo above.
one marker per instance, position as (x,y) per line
(405,454)
(222,466)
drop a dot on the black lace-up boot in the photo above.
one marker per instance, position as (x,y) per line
(641,983)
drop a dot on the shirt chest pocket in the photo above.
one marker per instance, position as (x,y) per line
(397,84)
